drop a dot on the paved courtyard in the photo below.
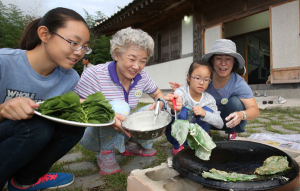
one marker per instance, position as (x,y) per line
(281,121)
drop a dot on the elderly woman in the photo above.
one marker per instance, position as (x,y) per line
(233,95)
(122,82)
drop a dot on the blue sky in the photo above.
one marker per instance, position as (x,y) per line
(40,7)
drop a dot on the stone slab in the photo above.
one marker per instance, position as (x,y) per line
(254,124)
(86,182)
(138,162)
(80,166)
(70,157)
(263,119)
(286,131)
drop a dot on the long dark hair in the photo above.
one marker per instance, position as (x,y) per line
(196,64)
(53,20)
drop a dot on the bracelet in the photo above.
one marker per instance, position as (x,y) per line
(164,102)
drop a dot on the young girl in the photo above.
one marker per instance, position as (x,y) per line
(198,106)
(40,69)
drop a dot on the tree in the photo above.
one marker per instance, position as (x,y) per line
(99,44)
(12,24)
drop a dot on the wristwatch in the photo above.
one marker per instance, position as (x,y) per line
(245,115)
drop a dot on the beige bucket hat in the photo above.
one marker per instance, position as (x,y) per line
(225,46)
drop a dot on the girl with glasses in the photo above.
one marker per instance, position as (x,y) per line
(198,106)
(40,69)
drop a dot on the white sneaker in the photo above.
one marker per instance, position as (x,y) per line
(280,100)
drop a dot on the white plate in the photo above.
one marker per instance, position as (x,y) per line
(74,123)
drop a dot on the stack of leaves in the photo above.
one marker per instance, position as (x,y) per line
(222,175)
(95,109)
(197,138)
(273,165)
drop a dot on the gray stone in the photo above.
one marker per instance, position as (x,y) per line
(280,128)
(263,119)
(169,151)
(166,144)
(288,118)
(86,182)
(80,166)
(138,163)
(276,119)
(119,157)
(70,157)
(254,124)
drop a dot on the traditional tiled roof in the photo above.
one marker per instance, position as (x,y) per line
(134,13)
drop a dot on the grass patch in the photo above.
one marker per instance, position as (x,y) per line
(216,136)
(161,155)
(252,131)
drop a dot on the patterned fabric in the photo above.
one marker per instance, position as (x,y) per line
(207,100)
(103,77)
(107,138)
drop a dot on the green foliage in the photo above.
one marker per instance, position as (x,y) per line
(101,50)
(12,24)
(95,109)
(196,137)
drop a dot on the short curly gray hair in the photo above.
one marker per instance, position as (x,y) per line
(129,36)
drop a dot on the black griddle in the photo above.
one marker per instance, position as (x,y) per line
(235,156)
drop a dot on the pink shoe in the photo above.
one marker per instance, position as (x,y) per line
(175,151)
(107,163)
(132,148)
(232,135)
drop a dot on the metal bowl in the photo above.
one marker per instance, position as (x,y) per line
(140,124)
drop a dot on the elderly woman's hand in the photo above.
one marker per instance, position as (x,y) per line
(178,99)
(235,117)
(154,105)
(118,125)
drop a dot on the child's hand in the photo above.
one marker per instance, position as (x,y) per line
(178,99)
(18,108)
(175,85)
(198,110)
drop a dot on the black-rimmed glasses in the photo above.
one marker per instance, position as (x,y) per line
(205,81)
(75,46)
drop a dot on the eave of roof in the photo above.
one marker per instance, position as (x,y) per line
(137,11)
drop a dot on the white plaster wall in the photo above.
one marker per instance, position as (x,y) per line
(173,71)
(187,36)
(248,24)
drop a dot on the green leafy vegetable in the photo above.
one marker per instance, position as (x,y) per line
(273,165)
(222,175)
(197,138)
(180,129)
(95,109)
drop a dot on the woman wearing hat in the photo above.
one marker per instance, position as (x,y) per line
(233,95)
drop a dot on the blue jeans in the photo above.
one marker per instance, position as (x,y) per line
(234,104)
(28,148)
(184,115)
(98,139)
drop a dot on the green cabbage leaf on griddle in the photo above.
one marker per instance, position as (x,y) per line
(180,129)
(273,165)
(196,137)
(228,177)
